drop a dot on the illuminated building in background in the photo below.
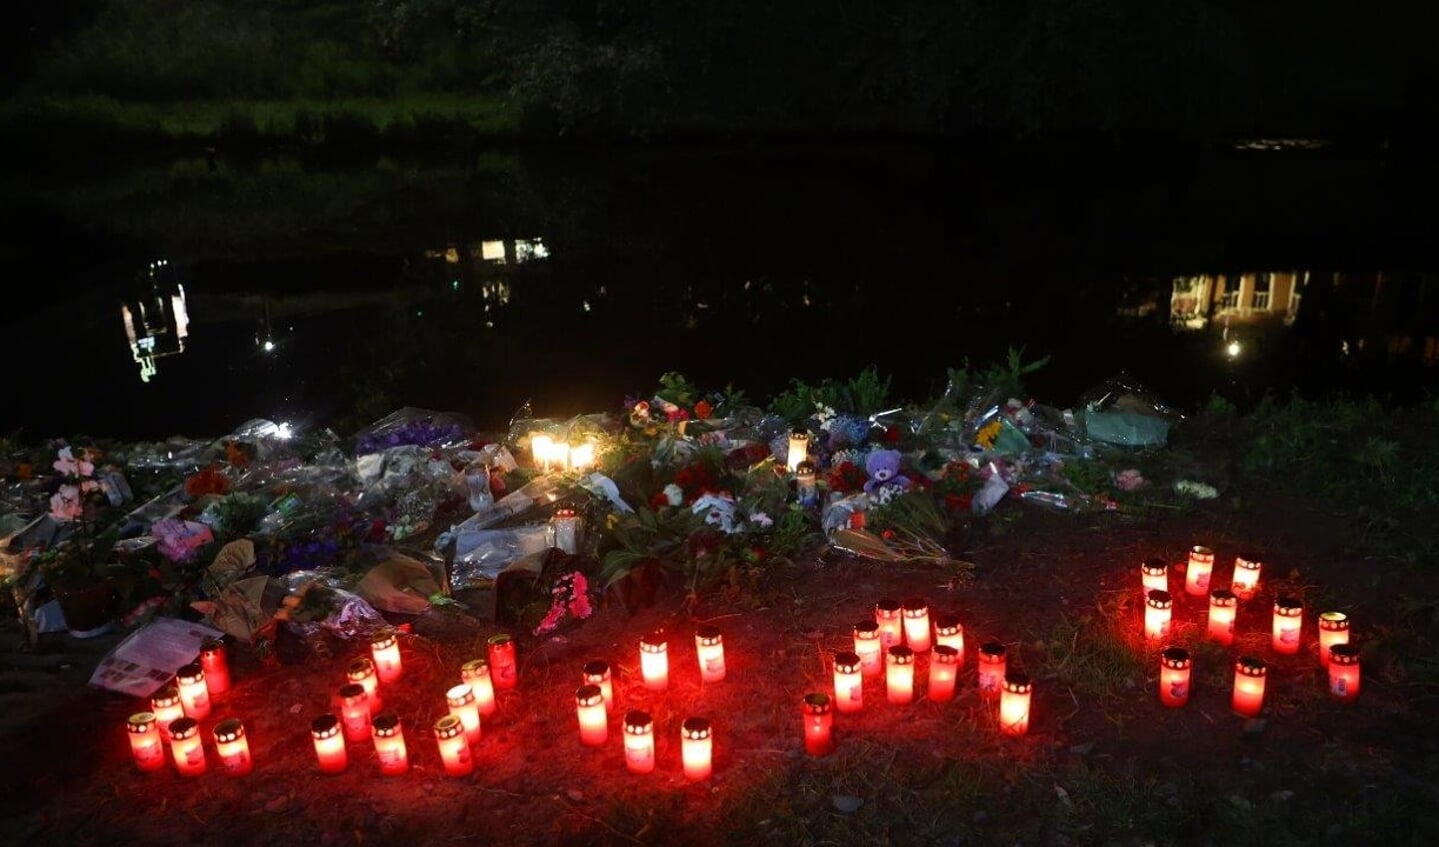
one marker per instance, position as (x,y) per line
(157,323)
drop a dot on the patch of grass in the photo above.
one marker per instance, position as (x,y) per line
(1089,653)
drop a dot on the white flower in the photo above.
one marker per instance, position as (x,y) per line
(824,415)
(762,520)
(674,495)
(1196,489)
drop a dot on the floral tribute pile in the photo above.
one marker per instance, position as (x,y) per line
(268,530)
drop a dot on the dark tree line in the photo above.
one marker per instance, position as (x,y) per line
(1186,67)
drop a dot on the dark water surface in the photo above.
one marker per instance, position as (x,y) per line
(329,293)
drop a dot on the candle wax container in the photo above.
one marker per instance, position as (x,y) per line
(915,612)
(890,617)
(1246,575)
(1333,629)
(848,682)
(1175,667)
(899,675)
(166,705)
(362,672)
(818,724)
(504,668)
(454,747)
(1288,623)
(147,743)
(194,694)
(389,738)
(1197,575)
(1153,576)
(709,646)
(869,648)
(186,748)
(329,744)
(1158,613)
(461,701)
(639,742)
(1344,672)
(1222,608)
(991,669)
(950,633)
(476,674)
(215,661)
(597,672)
(232,749)
(1249,673)
(696,748)
(594,721)
(654,661)
(355,712)
(1014,704)
(943,673)
(385,649)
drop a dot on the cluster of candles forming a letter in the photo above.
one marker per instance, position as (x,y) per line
(1336,654)
(595,702)
(890,644)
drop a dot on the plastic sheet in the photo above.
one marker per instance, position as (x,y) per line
(411,426)
(1121,411)
(481,554)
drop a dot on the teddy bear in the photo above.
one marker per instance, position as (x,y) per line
(885,479)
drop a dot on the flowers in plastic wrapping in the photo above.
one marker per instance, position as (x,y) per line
(1129,480)
(718,510)
(178,540)
(209,480)
(1195,489)
(568,596)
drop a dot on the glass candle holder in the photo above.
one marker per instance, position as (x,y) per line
(147,745)
(1288,623)
(890,617)
(818,724)
(1333,629)
(943,673)
(454,747)
(991,669)
(654,661)
(385,649)
(916,624)
(582,456)
(869,648)
(1175,667)
(639,741)
(1249,674)
(709,646)
(186,747)
(1222,608)
(697,748)
(362,672)
(165,703)
(1158,613)
(194,694)
(1344,672)
(389,738)
(798,450)
(948,632)
(597,672)
(232,748)
(504,667)
(355,712)
(215,662)
(476,674)
(806,484)
(594,720)
(1153,575)
(329,744)
(1245,583)
(1014,704)
(565,526)
(1197,574)
(461,701)
(899,675)
(848,682)
(541,446)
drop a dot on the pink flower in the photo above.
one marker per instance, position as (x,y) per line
(65,503)
(1129,480)
(68,465)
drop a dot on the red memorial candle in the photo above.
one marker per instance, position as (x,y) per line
(147,744)
(329,744)
(818,724)
(1175,666)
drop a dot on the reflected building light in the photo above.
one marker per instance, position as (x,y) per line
(493,251)
(530,248)
(156,327)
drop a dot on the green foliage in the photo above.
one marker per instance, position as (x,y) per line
(239,513)
(864,394)
(1006,379)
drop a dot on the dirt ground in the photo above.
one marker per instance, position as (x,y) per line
(1103,762)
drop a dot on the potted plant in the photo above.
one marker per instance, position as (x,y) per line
(77,567)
